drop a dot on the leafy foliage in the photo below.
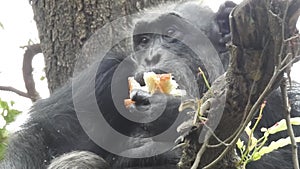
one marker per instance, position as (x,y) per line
(256,147)
(7,116)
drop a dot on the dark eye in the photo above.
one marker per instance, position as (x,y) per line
(144,40)
(141,40)
(171,31)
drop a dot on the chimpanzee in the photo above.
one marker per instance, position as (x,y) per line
(64,131)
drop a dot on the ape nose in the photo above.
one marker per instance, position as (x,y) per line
(153,60)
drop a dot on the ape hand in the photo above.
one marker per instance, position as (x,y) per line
(151,105)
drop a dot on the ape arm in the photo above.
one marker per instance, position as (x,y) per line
(22,153)
(80,160)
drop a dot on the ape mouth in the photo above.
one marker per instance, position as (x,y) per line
(139,77)
(152,82)
(142,87)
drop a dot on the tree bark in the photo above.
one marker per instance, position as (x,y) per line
(260,29)
(64,26)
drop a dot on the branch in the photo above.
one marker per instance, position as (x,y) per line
(287,116)
(32,94)
(11,89)
(30,52)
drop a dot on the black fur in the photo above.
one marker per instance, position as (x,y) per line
(78,160)
(54,128)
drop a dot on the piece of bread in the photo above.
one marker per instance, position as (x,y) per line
(159,83)
(128,102)
(154,83)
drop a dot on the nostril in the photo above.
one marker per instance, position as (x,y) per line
(153,60)
(139,77)
(156,58)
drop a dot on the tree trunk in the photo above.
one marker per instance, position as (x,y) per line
(64,26)
(260,30)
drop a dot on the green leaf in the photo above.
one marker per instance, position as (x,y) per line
(7,115)
(256,156)
(12,103)
(253,143)
(240,144)
(281,125)
(11,116)
(275,145)
(248,130)
(4,105)
(295,121)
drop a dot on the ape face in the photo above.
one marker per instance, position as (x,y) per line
(161,43)
(161,46)
(172,44)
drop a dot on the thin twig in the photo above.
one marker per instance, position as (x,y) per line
(292,38)
(221,142)
(14,90)
(248,111)
(201,151)
(198,157)
(287,116)
(248,119)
